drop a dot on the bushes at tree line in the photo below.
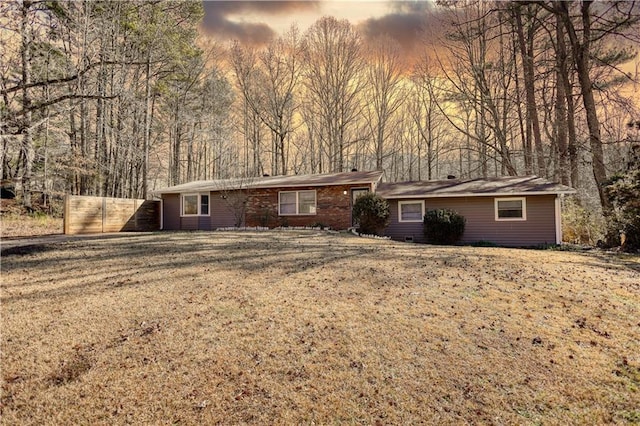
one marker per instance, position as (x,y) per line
(443,226)
(624,192)
(581,222)
(371,213)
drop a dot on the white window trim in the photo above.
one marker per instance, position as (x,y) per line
(199,194)
(401,203)
(558,212)
(297,213)
(511,219)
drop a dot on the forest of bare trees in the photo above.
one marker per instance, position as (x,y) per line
(117,98)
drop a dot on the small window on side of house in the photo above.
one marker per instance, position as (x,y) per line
(190,205)
(204,204)
(508,209)
(195,205)
(410,211)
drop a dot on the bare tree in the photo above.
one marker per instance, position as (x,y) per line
(612,18)
(564,104)
(383,92)
(478,75)
(27,151)
(426,115)
(526,46)
(268,80)
(334,63)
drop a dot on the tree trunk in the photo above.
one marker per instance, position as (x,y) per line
(561,106)
(527,153)
(147,125)
(581,52)
(526,51)
(27,151)
(567,89)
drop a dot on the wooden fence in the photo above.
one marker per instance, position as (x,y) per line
(85,215)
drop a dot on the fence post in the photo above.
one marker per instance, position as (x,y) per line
(65,214)
(104,212)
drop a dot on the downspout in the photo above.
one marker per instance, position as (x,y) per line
(161,213)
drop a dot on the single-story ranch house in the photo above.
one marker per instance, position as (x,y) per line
(269,201)
(509,211)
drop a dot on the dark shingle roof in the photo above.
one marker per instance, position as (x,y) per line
(512,185)
(346,178)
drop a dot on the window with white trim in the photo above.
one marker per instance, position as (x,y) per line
(511,208)
(294,203)
(410,211)
(195,205)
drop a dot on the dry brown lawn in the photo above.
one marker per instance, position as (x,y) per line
(308,327)
(26,226)
(16,222)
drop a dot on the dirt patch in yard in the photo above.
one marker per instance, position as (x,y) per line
(308,327)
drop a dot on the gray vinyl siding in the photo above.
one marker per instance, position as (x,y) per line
(204,223)
(539,228)
(222,215)
(171,211)
(190,223)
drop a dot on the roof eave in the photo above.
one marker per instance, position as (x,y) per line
(264,186)
(475,194)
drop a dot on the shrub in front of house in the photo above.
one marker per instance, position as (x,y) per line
(371,213)
(443,226)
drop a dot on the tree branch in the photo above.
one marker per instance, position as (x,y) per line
(67,79)
(60,99)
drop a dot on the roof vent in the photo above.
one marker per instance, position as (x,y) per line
(354,170)
(451,177)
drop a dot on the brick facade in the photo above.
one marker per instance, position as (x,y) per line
(333,207)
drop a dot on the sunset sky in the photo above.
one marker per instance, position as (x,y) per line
(255,22)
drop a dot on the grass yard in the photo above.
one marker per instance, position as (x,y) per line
(16,222)
(308,327)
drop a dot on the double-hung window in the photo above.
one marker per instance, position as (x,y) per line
(293,203)
(511,208)
(195,205)
(410,211)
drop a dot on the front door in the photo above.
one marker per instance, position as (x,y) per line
(355,193)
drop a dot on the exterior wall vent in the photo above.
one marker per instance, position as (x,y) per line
(408,239)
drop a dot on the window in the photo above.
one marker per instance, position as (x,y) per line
(195,205)
(288,203)
(410,211)
(297,203)
(189,205)
(511,208)
(307,202)
(204,204)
